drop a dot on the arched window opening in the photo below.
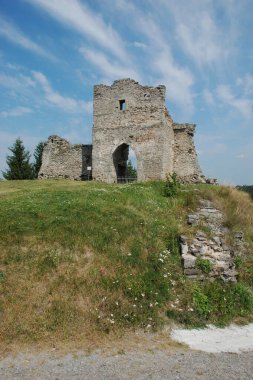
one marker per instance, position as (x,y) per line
(125,163)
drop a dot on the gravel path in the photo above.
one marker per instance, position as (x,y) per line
(156,364)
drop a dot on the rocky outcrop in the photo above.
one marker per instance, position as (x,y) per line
(208,254)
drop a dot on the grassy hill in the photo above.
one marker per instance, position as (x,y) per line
(81,260)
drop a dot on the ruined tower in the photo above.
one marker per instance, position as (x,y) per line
(128,114)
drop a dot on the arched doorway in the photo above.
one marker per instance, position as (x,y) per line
(125,164)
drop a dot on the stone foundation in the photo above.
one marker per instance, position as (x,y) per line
(211,245)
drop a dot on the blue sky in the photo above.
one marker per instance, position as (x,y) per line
(52,52)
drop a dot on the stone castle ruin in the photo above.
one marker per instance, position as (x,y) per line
(126,115)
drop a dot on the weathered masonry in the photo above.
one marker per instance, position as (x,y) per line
(64,160)
(127,115)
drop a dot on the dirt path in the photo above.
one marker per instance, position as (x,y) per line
(180,364)
(142,356)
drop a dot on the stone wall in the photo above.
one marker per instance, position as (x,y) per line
(185,157)
(143,125)
(63,160)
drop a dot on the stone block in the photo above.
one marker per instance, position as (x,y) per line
(189,261)
(192,272)
(184,249)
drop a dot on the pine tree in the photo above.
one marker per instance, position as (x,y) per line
(18,163)
(131,171)
(38,158)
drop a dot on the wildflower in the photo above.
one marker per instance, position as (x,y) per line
(142,294)
(165,275)
(134,305)
(150,305)
(129,254)
(148,326)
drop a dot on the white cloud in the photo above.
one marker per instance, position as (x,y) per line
(78,16)
(240,156)
(63,102)
(246,83)
(200,40)
(111,70)
(177,79)
(88,107)
(197,30)
(243,105)
(16,82)
(14,35)
(17,111)
(208,97)
(139,45)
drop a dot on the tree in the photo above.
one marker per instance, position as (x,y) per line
(19,163)
(38,158)
(131,171)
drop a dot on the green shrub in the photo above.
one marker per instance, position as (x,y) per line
(204,264)
(238,262)
(201,302)
(171,185)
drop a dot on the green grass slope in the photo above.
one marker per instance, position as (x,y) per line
(80,260)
